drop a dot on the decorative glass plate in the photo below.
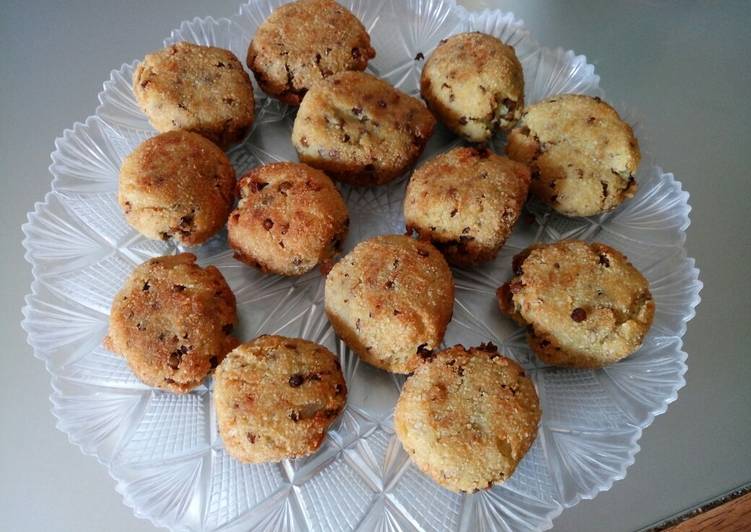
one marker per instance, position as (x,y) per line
(163,449)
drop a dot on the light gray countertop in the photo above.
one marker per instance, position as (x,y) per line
(685,65)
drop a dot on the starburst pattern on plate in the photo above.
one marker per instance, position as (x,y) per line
(164,450)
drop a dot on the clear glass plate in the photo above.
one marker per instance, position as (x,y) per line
(164,451)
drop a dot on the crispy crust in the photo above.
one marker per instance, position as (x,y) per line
(390,300)
(276,397)
(360,130)
(177,185)
(172,321)
(466,202)
(467,417)
(290,218)
(584,304)
(198,88)
(474,83)
(582,155)
(304,42)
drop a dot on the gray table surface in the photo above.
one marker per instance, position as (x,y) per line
(685,65)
